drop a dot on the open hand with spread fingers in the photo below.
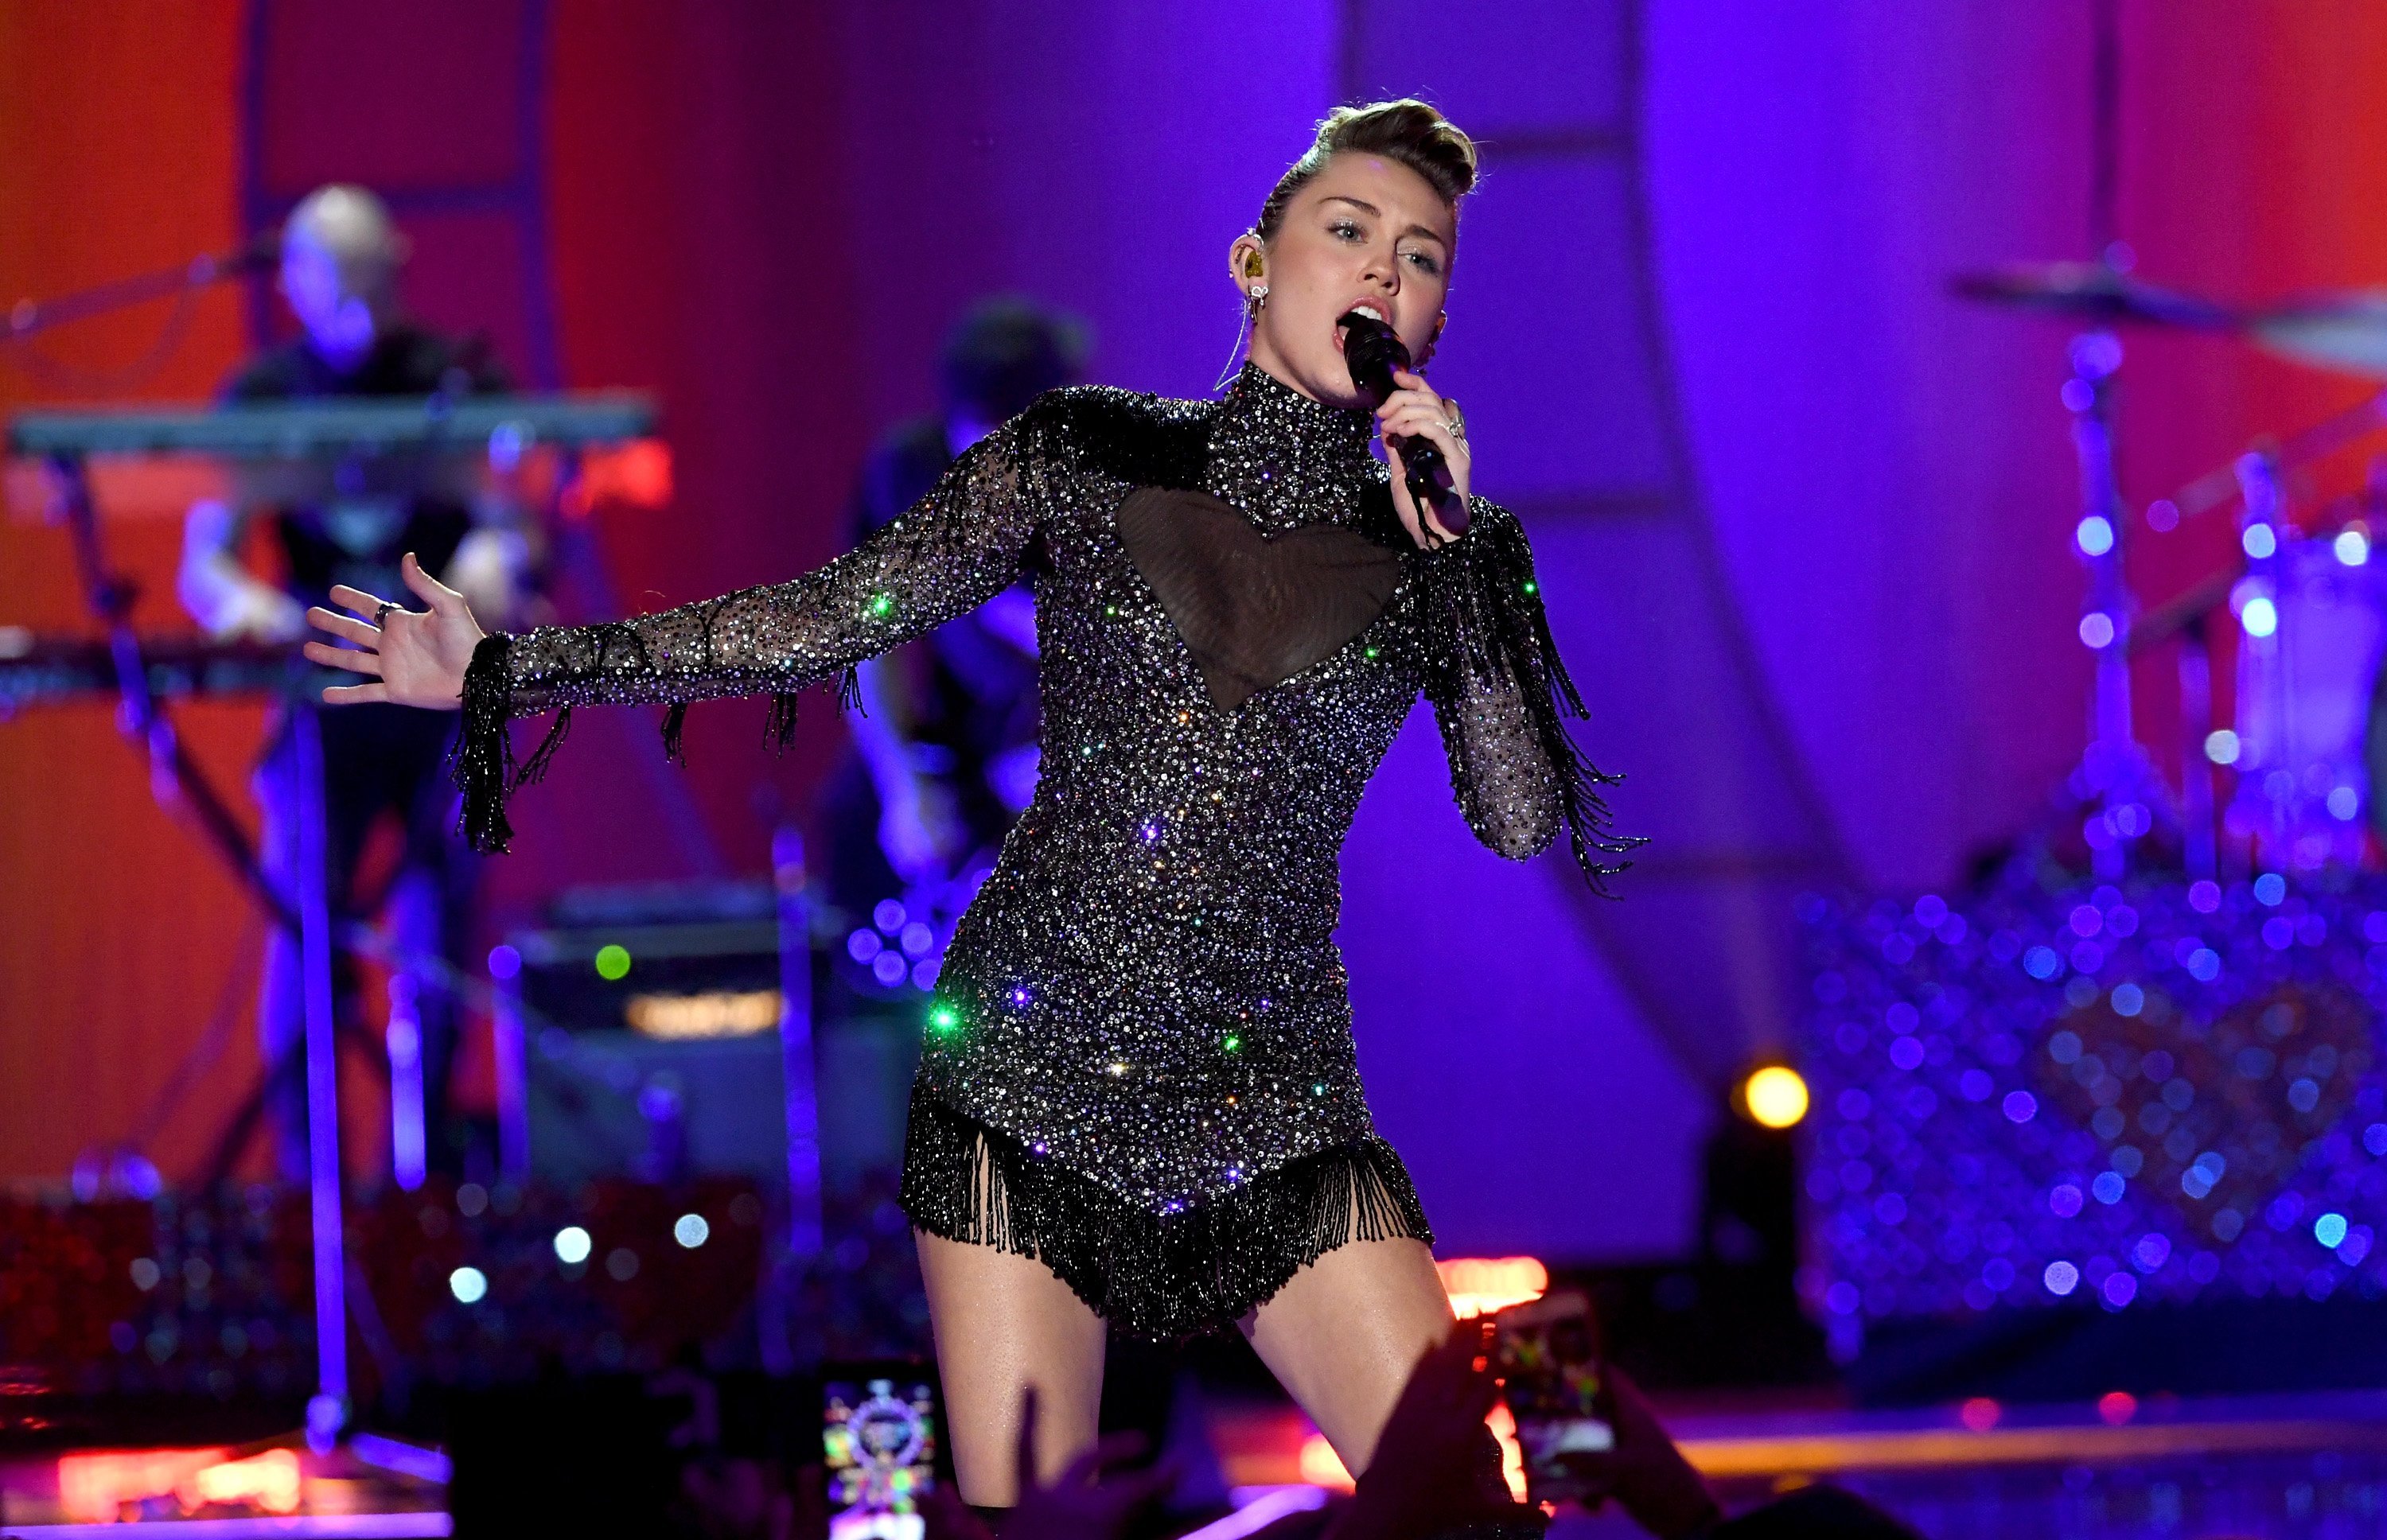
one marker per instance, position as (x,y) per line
(412,657)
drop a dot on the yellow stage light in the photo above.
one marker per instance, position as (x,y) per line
(1775,1096)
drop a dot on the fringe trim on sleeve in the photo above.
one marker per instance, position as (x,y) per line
(779,727)
(1159,1276)
(482,759)
(1483,613)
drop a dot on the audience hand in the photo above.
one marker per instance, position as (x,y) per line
(1646,1475)
(1094,1498)
(1429,1471)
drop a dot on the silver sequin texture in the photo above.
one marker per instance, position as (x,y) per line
(1146,995)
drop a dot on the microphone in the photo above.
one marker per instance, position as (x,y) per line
(1371,351)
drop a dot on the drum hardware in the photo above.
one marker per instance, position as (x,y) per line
(2125,795)
(2343,330)
(2101,295)
(2312,618)
(2312,624)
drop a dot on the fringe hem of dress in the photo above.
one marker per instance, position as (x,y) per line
(1158,1276)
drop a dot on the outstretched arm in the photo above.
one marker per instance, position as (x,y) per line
(958,546)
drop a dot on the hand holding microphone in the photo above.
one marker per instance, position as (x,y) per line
(1424,434)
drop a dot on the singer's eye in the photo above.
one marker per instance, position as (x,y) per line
(1424,259)
(1347,230)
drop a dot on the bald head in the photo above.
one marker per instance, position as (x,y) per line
(348,223)
(340,257)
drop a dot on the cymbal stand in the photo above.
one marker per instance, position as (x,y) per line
(2263,801)
(2199,853)
(2115,776)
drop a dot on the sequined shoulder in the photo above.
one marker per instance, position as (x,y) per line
(1123,436)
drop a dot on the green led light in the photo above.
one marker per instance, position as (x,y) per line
(944,1018)
(1233,1042)
(1371,652)
(883,603)
(1532,587)
(612,962)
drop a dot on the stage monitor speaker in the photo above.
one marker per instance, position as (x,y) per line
(655,1051)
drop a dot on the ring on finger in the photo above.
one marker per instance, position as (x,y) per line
(380,615)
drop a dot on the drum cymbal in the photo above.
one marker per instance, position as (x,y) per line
(2343,331)
(2090,292)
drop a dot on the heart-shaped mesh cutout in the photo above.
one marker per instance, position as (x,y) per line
(2214,1116)
(1254,609)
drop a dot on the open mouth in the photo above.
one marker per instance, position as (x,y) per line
(1365,310)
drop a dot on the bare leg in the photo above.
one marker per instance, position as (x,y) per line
(1003,1323)
(1343,1336)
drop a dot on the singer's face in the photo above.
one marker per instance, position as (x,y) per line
(1366,231)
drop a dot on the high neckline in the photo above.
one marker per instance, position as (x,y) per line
(1285,459)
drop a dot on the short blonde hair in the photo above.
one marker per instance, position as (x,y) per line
(1412,133)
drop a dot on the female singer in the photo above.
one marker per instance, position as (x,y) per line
(1138,1101)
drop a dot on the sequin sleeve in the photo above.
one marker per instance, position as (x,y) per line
(958,547)
(1502,695)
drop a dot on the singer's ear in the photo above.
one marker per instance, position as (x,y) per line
(1247,260)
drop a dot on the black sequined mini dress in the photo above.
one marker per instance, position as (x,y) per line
(1138,1064)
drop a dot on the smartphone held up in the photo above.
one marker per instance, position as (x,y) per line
(879,1440)
(1548,1357)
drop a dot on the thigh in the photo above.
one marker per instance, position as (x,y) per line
(1343,1336)
(1003,1323)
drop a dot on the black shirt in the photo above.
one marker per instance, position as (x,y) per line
(359,544)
